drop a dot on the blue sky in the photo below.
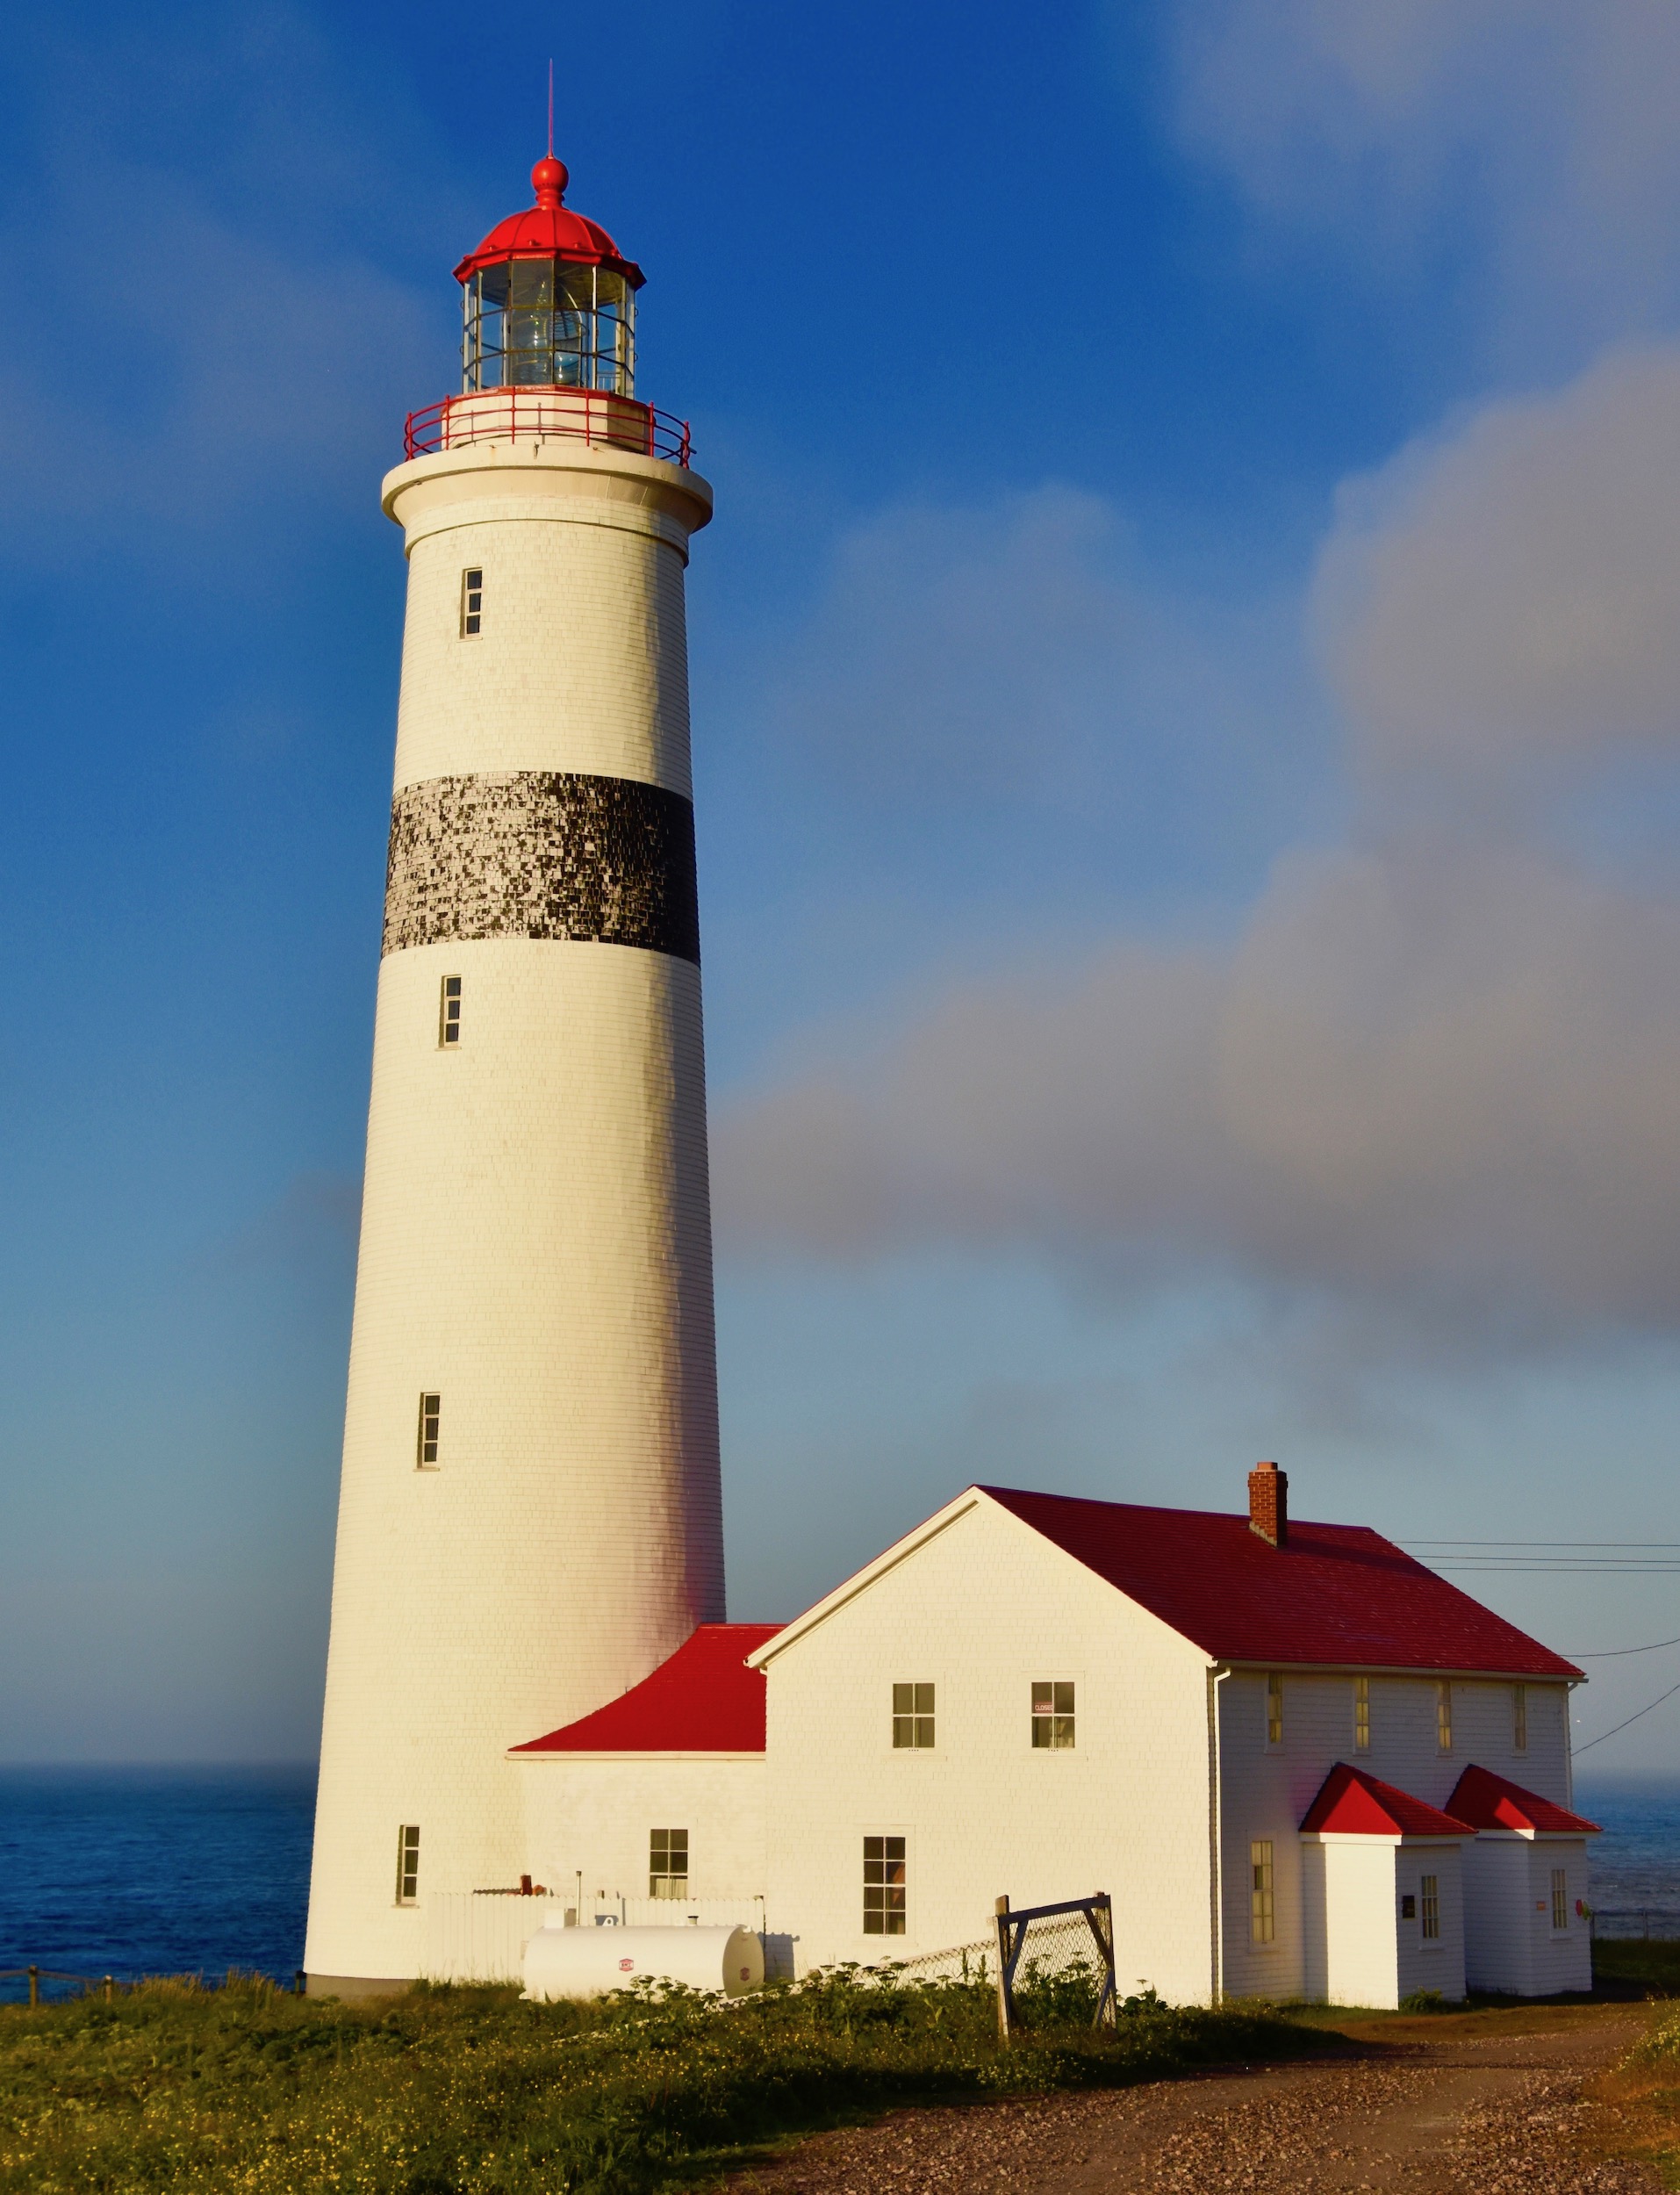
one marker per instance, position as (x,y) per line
(1186,687)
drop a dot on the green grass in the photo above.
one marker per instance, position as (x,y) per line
(1633,1966)
(457,2092)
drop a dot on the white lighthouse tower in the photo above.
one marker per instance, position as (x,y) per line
(529,1517)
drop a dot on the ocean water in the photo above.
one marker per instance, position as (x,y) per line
(133,1871)
(1635,1869)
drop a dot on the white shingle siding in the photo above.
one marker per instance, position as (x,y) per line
(1510,1944)
(1267,1790)
(595,1815)
(535,1235)
(981,1611)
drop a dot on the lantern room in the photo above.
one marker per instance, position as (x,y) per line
(549,301)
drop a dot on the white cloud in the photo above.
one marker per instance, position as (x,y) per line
(1530,143)
(1433,1072)
(1417,1078)
(1514,586)
(1008,650)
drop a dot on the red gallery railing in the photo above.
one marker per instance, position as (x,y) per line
(587,415)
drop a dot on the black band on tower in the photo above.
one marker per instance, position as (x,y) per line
(542,854)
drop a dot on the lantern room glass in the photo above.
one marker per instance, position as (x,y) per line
(548,324)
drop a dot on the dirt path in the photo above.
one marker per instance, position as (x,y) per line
(1492,2102)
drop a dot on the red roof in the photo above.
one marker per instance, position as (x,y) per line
(549,229)
(1336,1596)
(1491,1801)
(1353,1804)
(702,1700)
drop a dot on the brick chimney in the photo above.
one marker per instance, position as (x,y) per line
(1269,1503)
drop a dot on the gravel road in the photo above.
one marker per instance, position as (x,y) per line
(1477,2106)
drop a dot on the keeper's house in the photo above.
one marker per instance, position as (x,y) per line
(1302,1763)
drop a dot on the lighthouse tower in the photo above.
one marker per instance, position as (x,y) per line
(529,1517)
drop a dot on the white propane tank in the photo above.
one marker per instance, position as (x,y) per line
(589,1961)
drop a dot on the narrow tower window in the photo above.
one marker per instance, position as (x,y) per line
(1519,1717)
(1560,1897)
(448,1011)
(1361,1715)
(1262,1912)
(1052,1717)
(912,1714)
(407,1863)
(1444,1717)
(1274,1708)
(472,603)
(884,1886)
(668,1863)
(1429,1888)
(431,1413)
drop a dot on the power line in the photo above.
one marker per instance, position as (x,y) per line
(1538,1543)
(1599,1740)
(1583,1569)
(1615,1653)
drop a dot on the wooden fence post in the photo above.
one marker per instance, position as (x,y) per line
(34,1987)
(1004,2008)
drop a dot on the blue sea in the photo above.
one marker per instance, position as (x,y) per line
(133,1871)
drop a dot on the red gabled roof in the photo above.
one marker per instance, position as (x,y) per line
(1492,1801)
(1352,1803)
(1336,1596)
(702,1699)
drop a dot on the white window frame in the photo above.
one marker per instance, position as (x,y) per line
(1262,1893)
(1361,1715)
(1273,1711)
(448,1013)
(914,1717)
(1054,1715)
(428,1435)
(408,1864)
(668,1876)
(885,1860)
(1429,1911)
(1520,1718)
(1443,1715)
(1559,1901)
(473,602)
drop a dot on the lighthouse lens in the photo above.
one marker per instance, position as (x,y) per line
(546,323)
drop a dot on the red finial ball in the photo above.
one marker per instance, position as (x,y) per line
(549,180)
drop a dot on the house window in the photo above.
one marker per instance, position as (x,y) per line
(1274,1708)
(430,1417)
(1409,1905)
(1519,1717)
(1429,1894)
(1262,1918)
(448,1011)
(1052,1717)
(1361,1715)
(1560,1897)
(668,1863)
(1444,1717)
(407,1863)
(883,1886)
(472,603)
(912,1716)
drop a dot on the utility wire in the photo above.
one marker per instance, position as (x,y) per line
(1615,1653)
(1599,1740)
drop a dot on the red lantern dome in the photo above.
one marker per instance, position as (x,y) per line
(548,339)
(550,230)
